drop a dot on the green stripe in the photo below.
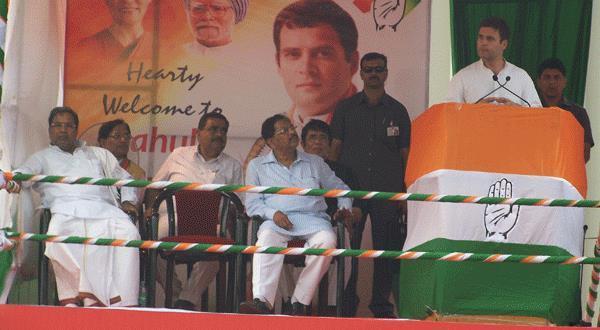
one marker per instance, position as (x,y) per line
(4,9)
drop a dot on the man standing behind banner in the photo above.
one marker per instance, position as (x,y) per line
(551,81)
(124,40)
(371,135)
(492,79)
(206,163)
(211,22)
(86,275)
(316,52)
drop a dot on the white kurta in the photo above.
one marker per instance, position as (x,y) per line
(186,164)
(106,275)
(476,80)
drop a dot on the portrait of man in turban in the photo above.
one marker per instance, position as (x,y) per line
(211,22)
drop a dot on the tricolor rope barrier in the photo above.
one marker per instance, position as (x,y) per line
(334,193)
(593,289)
(248,249)
(392,196)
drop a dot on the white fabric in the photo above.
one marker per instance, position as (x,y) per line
(107,273)
(557,226)
(475,81)
(33,28)
(266,268)
(82,210)
(186,164)
(84,161)
(5,243)
(290,273)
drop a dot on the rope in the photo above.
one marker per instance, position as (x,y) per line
(358,194)
(248,249)
(593,289)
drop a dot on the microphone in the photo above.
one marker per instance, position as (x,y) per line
(495,78)
(513,93)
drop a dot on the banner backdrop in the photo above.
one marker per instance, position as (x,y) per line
(160,65)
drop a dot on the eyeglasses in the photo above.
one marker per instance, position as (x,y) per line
(378,69)
(68,126)
(290,129)
(215,10)
(119,137)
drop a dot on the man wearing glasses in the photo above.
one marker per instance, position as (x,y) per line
(290,217)
(115,136)
(205,163)
(211,22)
(86,275)
(371,135)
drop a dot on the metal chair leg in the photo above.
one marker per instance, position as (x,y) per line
(169,281)
(43,261)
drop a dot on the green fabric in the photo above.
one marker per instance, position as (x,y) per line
(466,288)
(5,263)
(539,29)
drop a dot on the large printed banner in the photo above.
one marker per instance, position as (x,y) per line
(160,65)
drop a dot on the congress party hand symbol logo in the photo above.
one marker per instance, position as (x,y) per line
(499,219)
(388,13)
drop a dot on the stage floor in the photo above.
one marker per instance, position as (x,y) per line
(52,317)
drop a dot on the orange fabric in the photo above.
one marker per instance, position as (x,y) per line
(499,139)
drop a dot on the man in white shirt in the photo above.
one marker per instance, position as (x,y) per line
(206,163)
(86,275)
(481,81)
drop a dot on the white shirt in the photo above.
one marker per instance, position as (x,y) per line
(83,201)
(186,164)
(475,81)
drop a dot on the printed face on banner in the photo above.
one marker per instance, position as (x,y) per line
(314,68)
(161,65)
(210,21)
(127,13)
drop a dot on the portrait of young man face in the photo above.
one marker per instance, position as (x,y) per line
(210,21)
(314,68)
(489,45)
(127,12)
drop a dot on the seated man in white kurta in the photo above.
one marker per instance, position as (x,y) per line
(205,163)
(289,217)
(86,275)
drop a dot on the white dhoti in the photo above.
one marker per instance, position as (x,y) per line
(109,276)
(266,268)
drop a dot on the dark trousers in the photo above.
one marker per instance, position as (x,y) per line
(387,234)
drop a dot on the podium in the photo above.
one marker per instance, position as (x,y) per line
(489,150)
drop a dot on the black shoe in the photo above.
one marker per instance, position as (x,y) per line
(184,304)
(299,309)
(385,315)
(255,307)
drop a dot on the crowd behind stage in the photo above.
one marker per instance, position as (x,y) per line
(363,145)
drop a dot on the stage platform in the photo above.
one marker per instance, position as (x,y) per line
(52,317)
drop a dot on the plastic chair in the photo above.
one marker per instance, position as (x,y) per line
(202,217)
(298,261)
